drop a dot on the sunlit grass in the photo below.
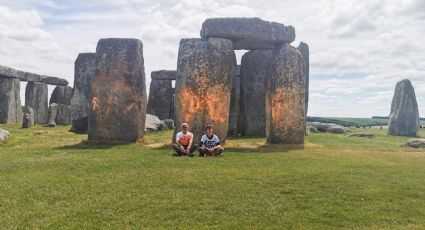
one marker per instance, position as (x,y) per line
(51,178)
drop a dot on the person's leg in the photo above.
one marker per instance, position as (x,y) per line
(193,148)
(218,151)
(203,151)
(177,150)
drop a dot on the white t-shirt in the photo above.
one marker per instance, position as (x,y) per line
(210,142)
(184,138)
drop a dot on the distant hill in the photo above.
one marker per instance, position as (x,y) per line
(346,121)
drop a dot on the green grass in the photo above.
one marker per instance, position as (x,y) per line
(353,121)
(56,180)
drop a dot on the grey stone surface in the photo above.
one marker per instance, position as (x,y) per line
(61,95)
(28,119)
(337,129)
(415,143)
(118,92)
(248,33)
(153,123)
(160,101)
(4,135)
(235,111)
(305,52)
(164,75)
(59,114)
(10,101)
(26,76)
(84,70)
(36,97)
(404,116)
(329,127)
(313,129)
(285,103)
(254,66)
(205,70)
(168,123)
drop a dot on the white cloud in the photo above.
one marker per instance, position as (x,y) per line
(380,41)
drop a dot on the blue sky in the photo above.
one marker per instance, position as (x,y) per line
(358,49)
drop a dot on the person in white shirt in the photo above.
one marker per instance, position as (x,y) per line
(184,142)
(210,144)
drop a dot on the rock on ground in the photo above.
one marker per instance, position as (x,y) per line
(84,70)
(415,143)
(404,116)
(4,135)
(28,119)
(10,101)
(285,103)
(329,127)
(118,92)
(254,66)
(36,97)
(205,70)
(248,33)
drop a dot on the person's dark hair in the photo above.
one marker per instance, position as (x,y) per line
(208,127)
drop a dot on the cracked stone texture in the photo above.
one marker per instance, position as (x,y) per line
(205,70)
(36,97)
(160,101)
(253,91)
(61,95)
(84,70)
(10,101)
(248,33)
(285,92)
(404,115)
(118,92)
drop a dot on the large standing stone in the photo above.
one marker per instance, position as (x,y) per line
(36,97)
(59,114)
(404,116)
(61,95)
(118,92)
(285,103)
(253,91)
(248,33)
(160,101)
(84,70)
(305,52)
(235,112)
(205,70)
(10,101)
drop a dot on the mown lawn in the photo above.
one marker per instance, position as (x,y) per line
(53,179)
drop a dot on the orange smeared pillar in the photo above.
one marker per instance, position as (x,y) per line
(205,70)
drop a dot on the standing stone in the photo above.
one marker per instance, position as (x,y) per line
(160,99)
(61,95)
(285,103)
(205,70)
(235,112)
(84,69)
(59,114)
(10,101)
(28,119)
(118,92)
(253,91)
(36,97)
(404,116)
(305,52)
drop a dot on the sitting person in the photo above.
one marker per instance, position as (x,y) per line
(210,144)
(184,142)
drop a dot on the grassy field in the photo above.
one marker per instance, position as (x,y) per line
(350,121)
(51,178)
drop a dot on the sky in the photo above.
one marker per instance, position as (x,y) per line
(359,49)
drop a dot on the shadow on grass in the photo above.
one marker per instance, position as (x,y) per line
(91,145)
(268,148)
